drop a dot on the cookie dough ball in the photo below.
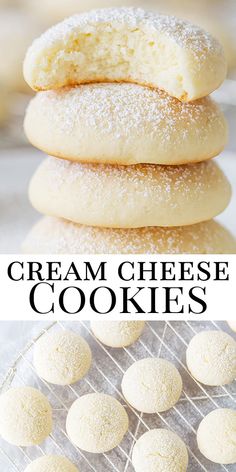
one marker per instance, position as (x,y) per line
(70,238)
(97,423)
(51,464)
(25,416)
(129,196)
(144,47)
(62,358)
(117,333)
(216,436)
(124,124)
(211,358)
(160,450)
(152,385)
(17,31)
(232,325)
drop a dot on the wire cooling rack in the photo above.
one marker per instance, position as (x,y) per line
(165,339)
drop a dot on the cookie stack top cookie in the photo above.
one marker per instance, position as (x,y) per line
(118,91)
(127,45)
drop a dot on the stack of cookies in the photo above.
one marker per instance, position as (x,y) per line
(122,106)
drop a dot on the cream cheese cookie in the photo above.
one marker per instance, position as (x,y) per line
(211,357)
(51,464)
(62,358)
(216,436)
(160,450)
(97,423)
(71,238)
(129,196)
(127,45)
(25,416)
(117,333)
(152,385)
(124,124)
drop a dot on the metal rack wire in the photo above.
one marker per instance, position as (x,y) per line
(165,339)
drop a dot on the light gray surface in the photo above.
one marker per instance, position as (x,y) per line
(17,215)
(14,336)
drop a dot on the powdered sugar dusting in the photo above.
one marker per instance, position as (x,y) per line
(69,238)
(125,109)
(129,196)
(146,180)
(182,32)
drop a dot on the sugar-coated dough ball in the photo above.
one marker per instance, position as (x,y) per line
(17,31)
(129,196)
(216,436)
(71,238)
(124,124)
(25,416)
(97,423)
(152,385)
(144,47)
(160,450)
(232,325)
(117,333)
(211,358)
(62,357)
(51,464)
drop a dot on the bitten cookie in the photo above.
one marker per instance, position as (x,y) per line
(211,357)
(51,464)
(129,196)
(25,416)
(97,423)
(127,45)
(70,238)
(62,358)
(216,436)
(160,450)
(124,124)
